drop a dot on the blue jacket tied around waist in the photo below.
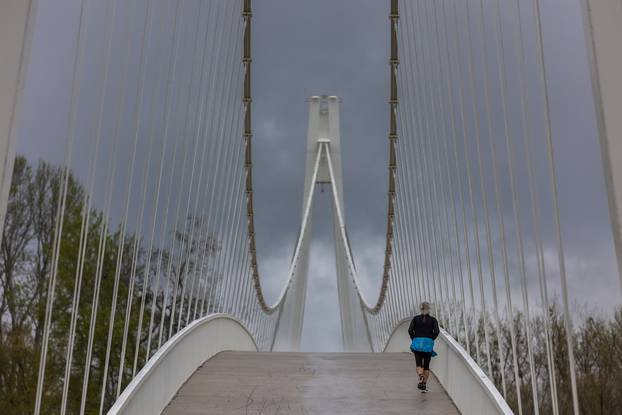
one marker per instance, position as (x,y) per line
(423,344)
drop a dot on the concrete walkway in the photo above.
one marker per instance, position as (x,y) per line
(246,383)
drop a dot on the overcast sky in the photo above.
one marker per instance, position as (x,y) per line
(340,47)
(306,48)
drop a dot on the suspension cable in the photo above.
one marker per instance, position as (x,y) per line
(554,196)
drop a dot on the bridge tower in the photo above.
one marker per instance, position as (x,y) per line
(323,144)
(17,20)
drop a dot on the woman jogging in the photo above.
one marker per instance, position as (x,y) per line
(423,331)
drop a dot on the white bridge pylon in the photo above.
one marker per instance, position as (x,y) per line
(323,165)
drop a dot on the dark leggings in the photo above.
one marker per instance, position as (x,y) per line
(423,359)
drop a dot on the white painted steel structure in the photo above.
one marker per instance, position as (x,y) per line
(323,166)
(162,271)
(17,21)
(603,31)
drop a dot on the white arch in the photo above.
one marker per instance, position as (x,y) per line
(17,19)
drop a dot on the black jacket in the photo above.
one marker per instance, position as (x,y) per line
(423,326)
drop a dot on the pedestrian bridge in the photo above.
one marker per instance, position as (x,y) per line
(152,296)
(229,374)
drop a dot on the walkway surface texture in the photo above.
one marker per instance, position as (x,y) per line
(246,383)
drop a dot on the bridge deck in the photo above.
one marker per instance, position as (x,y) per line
(249,383)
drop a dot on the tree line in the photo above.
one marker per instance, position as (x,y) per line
(597,343)
(26,262)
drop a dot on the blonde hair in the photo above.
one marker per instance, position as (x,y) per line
(425,307)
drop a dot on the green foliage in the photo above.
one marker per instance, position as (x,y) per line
(26,260)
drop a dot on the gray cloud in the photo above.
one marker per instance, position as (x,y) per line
(304,48)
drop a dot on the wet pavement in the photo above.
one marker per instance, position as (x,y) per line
(246,383)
